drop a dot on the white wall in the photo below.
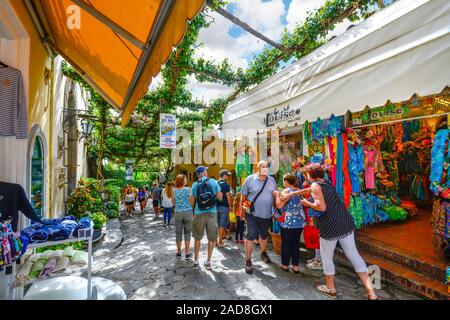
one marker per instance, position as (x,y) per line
(59,163)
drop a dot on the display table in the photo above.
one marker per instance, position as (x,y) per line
(83,235)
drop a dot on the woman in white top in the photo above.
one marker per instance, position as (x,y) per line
(167,203)
(129,201)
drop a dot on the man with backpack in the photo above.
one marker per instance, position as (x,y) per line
(205,194)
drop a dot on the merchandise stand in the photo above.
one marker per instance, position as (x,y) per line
(84,235)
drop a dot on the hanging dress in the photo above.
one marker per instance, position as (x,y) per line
(369,172)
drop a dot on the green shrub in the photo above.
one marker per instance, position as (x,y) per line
(99,219)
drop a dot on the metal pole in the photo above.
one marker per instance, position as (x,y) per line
(110,23)
(89,271)
(11,281)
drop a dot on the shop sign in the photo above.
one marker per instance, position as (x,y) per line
(167,130)
(129,170)
(416,107)
(390,112)
(286,114)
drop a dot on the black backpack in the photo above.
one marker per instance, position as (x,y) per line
(205,197)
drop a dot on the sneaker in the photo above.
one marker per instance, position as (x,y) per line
(265,257)
(315,265)
(207,265)
(196,265)
(178,255)
(188,256)
(310,260)
(248,266)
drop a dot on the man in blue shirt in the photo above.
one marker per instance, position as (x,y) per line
(259,221)
(204,219)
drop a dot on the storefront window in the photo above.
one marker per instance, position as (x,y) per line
(37,177)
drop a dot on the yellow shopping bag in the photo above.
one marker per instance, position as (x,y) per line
(232,217)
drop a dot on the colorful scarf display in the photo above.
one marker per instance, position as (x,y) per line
(437,161)
(12,245)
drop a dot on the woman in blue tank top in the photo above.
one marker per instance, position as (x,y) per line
(292,226)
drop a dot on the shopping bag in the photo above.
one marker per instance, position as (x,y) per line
(232,217)
(311,236)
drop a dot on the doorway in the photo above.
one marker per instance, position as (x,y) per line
(38,177)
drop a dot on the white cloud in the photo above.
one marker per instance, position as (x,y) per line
(207,91)
(298,11)
(219,44)
(264,17)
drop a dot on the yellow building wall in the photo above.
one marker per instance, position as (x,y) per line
(39,108)
(213,169)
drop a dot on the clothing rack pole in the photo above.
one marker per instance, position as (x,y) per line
(12,277)
(89,270)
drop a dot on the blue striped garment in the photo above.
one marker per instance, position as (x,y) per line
(13,106)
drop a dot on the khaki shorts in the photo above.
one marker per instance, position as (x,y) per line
(204,221)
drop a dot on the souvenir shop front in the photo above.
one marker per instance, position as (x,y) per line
(371,105)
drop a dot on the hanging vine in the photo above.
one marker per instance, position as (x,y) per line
(139,140)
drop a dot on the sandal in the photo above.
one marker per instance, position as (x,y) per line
(207,265)
(311,260)
(196,265)
(326,291)
(178,255)
(295,271)
(284,269)
(372,296)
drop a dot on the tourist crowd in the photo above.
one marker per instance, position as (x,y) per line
(307,200)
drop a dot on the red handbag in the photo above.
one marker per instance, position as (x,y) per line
(311,234)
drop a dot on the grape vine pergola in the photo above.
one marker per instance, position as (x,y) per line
(139,140)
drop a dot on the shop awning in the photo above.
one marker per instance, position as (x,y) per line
(402,50)
(118,45)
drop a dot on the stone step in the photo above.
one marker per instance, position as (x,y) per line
(402,276)
(413,260)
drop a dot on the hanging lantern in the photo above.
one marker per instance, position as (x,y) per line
(87,127)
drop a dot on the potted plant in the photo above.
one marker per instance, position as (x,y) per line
(99,220)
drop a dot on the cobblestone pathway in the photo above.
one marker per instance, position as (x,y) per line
(144,264)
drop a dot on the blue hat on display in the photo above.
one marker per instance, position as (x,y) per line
(200,170)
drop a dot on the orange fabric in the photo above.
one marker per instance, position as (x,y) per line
(107,60)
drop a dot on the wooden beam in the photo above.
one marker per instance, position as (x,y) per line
(246,27)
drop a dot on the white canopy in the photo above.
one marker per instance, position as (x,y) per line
(401,50)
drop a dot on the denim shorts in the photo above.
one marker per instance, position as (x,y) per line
(257,227)
(223,217)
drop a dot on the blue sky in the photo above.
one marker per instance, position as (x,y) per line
(223,39)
